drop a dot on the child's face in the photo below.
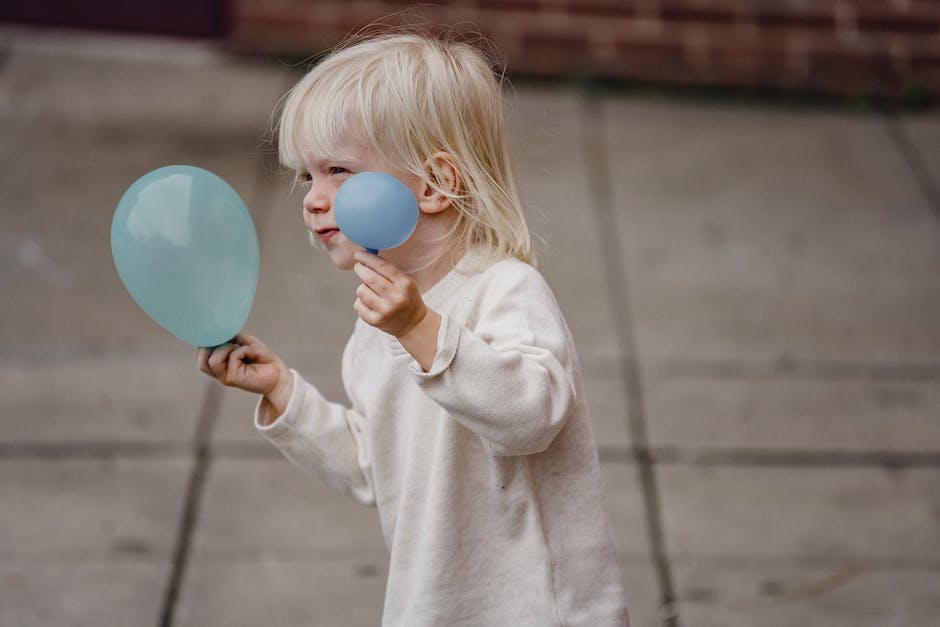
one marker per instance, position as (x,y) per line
(322,179)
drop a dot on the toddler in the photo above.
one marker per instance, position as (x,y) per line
(468,429)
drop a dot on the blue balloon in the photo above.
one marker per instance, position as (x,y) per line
(375,210)
(187,251)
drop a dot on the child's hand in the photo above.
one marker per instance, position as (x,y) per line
(248,364)
(388,299)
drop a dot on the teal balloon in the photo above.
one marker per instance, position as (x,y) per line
(186,249)
(375,210)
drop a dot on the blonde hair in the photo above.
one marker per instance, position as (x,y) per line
(409,96)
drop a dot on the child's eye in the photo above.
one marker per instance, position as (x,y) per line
(337,170)
(304,177)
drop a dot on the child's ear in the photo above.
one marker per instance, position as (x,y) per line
(442,169)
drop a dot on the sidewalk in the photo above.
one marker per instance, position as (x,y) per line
(755,293)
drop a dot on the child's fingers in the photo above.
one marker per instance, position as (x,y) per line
(202,360)
(243,339)
(377,282)
(240,354)
(255,352)
(247,346)
(368,297)
(218,361)
(368,316)
(378,265)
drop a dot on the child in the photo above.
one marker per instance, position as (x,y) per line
(468,428)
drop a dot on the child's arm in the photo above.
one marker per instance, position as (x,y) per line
(510,380)
(390,300)
(322,438)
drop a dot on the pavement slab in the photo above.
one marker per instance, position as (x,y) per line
(790,413)
(83,593)
(923,132)
(262,591)
(625,504)
(87,541)
(628,522)
(851,595)
(91,508)
(270,506)
(802,514)
(806,546)
(762,235)
(642,589)
(607,402)
(275,546)
(79,400)
(234,424)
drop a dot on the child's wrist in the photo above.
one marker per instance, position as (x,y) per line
(420,317)
(421,339)
(279,397)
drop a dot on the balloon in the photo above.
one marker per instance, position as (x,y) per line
(375,210)
(186,249)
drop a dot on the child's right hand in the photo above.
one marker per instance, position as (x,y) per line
(248,364)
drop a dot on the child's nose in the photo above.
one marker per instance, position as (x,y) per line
(316,200)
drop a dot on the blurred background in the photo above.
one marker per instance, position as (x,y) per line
(739,207)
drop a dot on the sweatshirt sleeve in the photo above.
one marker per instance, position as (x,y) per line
(322,438)
(508,379)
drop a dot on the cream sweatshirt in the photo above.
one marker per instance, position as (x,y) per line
(484,469)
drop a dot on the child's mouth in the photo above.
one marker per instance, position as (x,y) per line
(327,234)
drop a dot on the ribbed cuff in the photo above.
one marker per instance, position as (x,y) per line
(448,338)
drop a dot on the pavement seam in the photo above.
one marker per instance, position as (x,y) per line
(801,369)
(594,152)
(764,457)
(915,161)
(5,53)
(190,514)
(98,450)
(672,455)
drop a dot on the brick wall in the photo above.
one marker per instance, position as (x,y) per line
(882,47)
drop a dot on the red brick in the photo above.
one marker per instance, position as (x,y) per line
(845,70)
(269,22)
(573,40)
(650,59)
(810,18)
(693,41)
(887,19)
(609,8)
(740,62)
(925,60)
(683,11)
(545,53)
(533,6)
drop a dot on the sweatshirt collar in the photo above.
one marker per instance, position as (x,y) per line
(438,293)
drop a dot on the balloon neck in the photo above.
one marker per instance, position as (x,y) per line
(372,251)
(231,341)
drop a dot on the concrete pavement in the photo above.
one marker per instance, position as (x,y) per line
(754,290)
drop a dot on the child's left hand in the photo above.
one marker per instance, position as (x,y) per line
(388,299)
